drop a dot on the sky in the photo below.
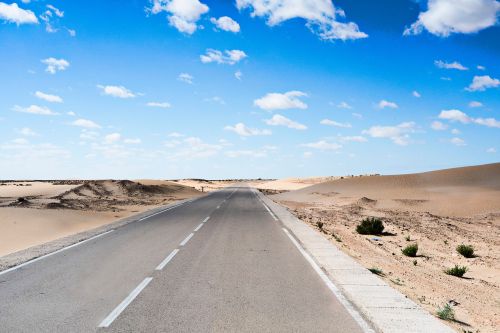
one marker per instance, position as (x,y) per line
(246,88)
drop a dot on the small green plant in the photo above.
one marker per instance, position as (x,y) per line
(457,271)
(414,263)
(466,250)
(446,312)
(411,250)
(370,226)
(445,242)
(376,271)
(320,224)
(408,238)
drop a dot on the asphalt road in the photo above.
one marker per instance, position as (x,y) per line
(236,272)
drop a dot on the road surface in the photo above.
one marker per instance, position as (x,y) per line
(221,263)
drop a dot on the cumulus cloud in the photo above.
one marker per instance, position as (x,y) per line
(461,117)
(226,23)
(344,105)
(278,101)
(457,142)
(85,123)
(117,91)
(321,16)
(398,134)
(416,94)
(163,105)
(438,126)
(279,120)
(335,123)
(322,145)
(229,57)
(35,109)
(242,130)
(450,65)
(481,83)
(475,104)
(186,78)
(112,138)
(14,14)
(182,14)
(48,97)
(54,65)
(444,17)
(386,104)
(356,138)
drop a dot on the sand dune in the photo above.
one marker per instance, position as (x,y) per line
(290,184)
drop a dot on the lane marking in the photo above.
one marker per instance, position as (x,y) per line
(55,252)
(116,312)
(206,219)
(186,239)
(336,292)
(198,227)
(268,210)
(167,260)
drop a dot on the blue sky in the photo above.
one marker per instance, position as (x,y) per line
(246,88)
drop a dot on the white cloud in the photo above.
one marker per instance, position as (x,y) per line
(399,134)
(491,150)
(193,147)
(242,130)
(356,138)
(386,104)
(71,32)
(117,91)
(444,17)
(175,135)
(35,109)
(182,14)
(112,138)
(226,23)
(54,65)
(481,68)
(307,154)
(229,57)
(489,122)
(344,105)
(249,153)
(357,115)
(278,101)
(279,120)
(481,83)
(12,13)
(238,75)
(322,145)
(163,105)
(455,131)
(438,126)
(85,123)
(475,104)
(416,94)
(48,97)
(458,142)
(185,77)
(56,11)
(132,141)
(320,15)
(71,113)
(450,65)
(335,123)
(20,141)
(215,99)
(26,131)
(459,116)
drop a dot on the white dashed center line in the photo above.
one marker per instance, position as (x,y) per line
(198,227)
(186,239)
(167,260)
(206,219)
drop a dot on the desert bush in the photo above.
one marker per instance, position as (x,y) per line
(457,271)
(408,238)
(446,312)
(320,224)
(376,271)
(466,250)
(370,226)
(411,250)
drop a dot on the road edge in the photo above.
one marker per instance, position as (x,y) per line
(381,305)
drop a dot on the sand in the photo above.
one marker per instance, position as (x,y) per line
(438,210)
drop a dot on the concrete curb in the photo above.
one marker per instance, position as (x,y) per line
(381,305)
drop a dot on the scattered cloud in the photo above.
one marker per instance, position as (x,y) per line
(438,126)
(175,135)
(182,14)
(416,94)
(35,109)
(344,105)
(132,141)
(455,131)
(48,97)
(117,91)
(71,113)
(238,75)
(278,101)
(457,142)
(444,17)
(491,150)
(163,105)
(279,120)
(399,134)
(14,14)
(322,145)
(335,123)
(26,131)
(186,78)
(356,138)
(194,147)
(481,68)
(54,65)
(386,104)
(229,57)
(450,65)
(242,130)
(481,83)
(112,138)
(321,16)
(215,99)
(226,23)
(475,104)
(357,115)
(461,117)
(85,123)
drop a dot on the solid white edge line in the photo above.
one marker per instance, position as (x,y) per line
(55,252)
(353,312)
(167,260)
(206,219)
(198,227)
(186,239)
(123,305)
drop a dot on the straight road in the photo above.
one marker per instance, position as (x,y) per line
(221,263)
